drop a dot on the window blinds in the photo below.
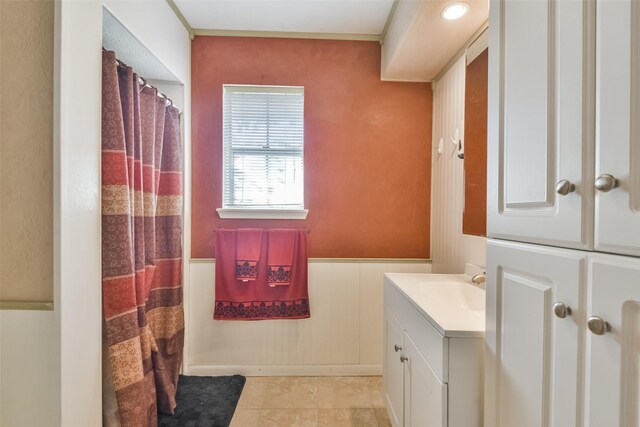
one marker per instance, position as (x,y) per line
(263,147)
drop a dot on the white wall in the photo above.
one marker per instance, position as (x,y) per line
(57,355)
(342,337)
(26,384)
(475,249)
(450,249)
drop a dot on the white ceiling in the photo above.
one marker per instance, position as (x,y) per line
(419,42)
(305,16)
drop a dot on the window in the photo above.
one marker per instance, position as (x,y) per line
(263,152)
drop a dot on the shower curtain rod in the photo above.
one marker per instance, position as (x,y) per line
(146,84)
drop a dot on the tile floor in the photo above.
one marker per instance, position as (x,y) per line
(311,402)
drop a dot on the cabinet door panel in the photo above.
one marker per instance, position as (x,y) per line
(425,395)
(540,132)
(618,126)
(613,359)
(532,359)
(393,371)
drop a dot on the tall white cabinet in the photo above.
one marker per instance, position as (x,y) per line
(540,133)
(617,219)
(532,355)
(612,360)
(563,259)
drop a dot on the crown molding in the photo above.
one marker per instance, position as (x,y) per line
(287,35)
(193,32)
(392,13)
(172,4)
(460,53)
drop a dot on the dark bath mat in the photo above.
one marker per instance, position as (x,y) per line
(204,402)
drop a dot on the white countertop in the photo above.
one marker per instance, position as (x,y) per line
(450,302)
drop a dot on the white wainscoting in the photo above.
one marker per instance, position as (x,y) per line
(447,172)
(28,369)
(342,337)
(450,249)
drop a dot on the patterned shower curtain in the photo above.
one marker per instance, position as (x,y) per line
(141,246)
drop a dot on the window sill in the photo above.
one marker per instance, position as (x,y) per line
(248,213)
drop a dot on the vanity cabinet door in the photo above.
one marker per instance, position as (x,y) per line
(618,127)
(613,358)
(425,395)
(531,359)
(540,133)
(393,371)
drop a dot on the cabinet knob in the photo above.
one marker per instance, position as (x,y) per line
(561,310)
(606,183)
(397,348)
(598,325)
(403,358)
(564,187)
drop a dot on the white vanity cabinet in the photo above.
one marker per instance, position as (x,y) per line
(425,396)
(564,124)
(393,369)
(430,379)
(414,395)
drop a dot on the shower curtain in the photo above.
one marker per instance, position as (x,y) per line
(141,248)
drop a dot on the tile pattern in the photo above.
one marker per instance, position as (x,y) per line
(312,402)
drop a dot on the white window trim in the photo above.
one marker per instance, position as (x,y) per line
(251,213)
(275,212)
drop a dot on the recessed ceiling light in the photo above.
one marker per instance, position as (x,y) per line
(455,10)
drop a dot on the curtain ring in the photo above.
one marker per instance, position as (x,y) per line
(166,98)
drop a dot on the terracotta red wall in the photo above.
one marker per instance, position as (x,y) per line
(474,217)
(367,144)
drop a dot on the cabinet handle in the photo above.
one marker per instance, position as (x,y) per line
(606,183)
(397,348)
(598,325)
(561,310)
(565,187)
(403,358)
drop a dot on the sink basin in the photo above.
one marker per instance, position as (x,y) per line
(450,302)
(453,295)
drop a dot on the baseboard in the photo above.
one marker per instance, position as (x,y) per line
(285,370)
